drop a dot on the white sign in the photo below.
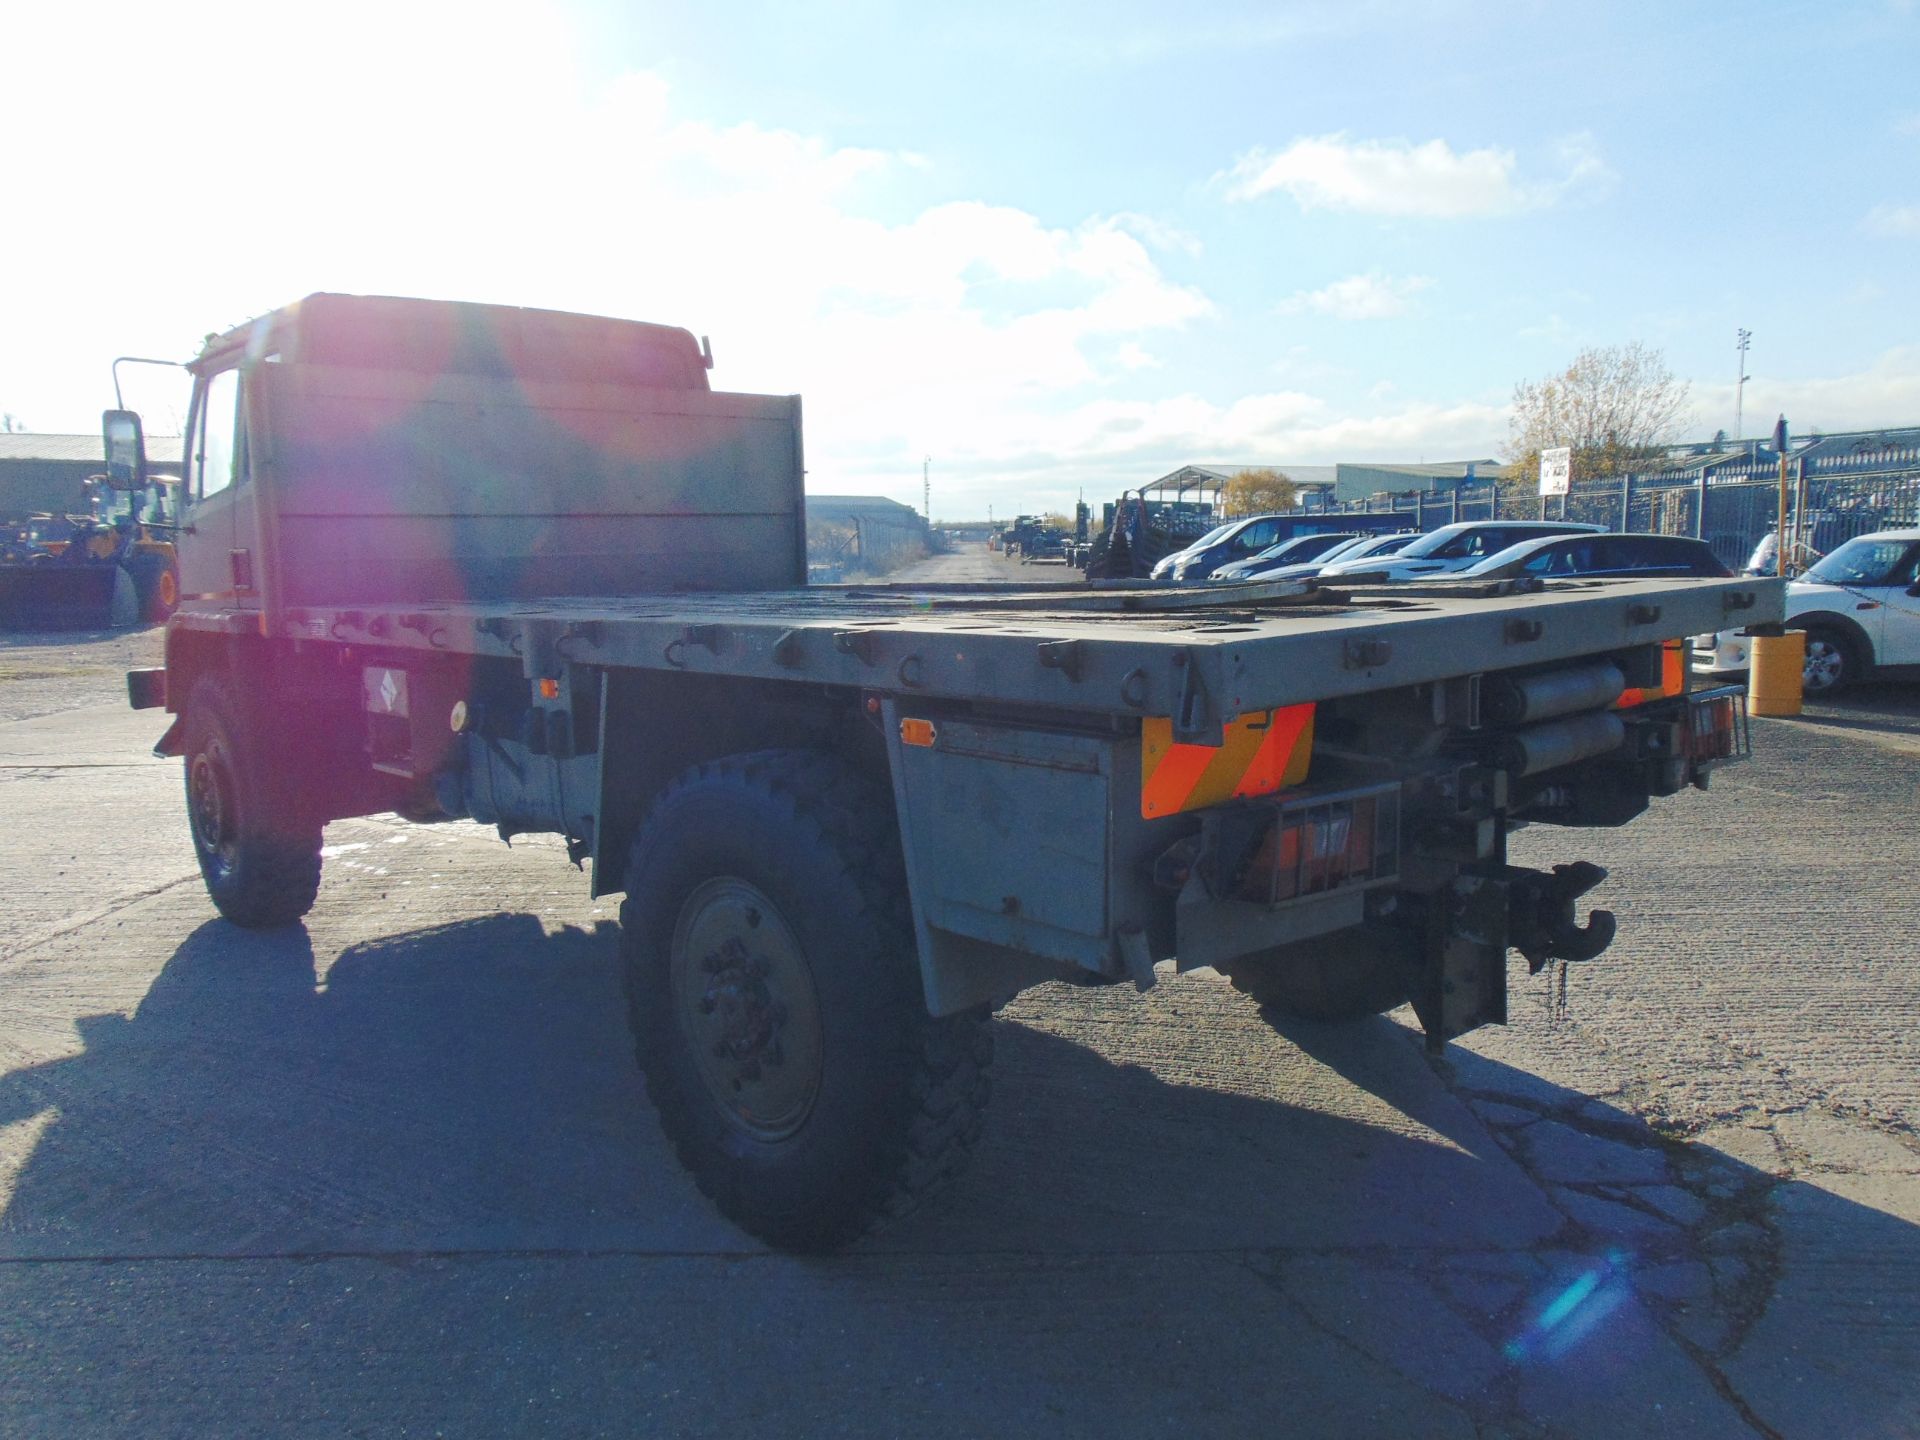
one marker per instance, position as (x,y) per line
(1556,470)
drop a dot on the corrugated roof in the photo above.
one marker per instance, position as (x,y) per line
(1439,470)
(26,445)
(1224,471)
(859,502)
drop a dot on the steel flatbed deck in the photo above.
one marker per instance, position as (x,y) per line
(1200,655)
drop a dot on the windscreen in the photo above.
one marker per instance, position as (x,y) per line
(1860,562)
(1435,541)
(1384,545)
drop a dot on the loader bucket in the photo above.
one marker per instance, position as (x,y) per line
(53,595)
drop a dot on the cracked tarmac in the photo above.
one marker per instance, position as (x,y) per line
(392,1172)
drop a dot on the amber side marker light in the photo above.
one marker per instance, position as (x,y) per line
(916,732)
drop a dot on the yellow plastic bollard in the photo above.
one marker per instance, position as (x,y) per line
(1773,676)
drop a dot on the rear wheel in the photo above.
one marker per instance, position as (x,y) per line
(260,859)
(1347,976)
(1832,662)
(776,1002)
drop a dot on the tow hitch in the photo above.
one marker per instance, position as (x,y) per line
(1476,920)
(1540,910)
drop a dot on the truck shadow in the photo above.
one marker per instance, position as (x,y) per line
(463,1096)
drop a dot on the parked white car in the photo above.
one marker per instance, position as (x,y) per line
(1296,550)
(1455,547)
(1376,545)
(1860,607)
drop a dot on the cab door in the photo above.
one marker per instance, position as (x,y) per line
(215,463)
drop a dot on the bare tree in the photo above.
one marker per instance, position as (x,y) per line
(1615,405)
(1256,492)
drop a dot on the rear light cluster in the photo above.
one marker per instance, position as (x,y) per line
(1716,726)
(1325,843)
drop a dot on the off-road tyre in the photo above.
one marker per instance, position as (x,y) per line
(259,855)
(1342,977)
(899,1097)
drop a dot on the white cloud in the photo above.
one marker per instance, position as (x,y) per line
(1372,296)
(1894,221)
(1886,393)
(484,164)
(1398,177)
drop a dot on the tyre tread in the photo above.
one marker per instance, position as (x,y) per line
(947,1060)
(280,880)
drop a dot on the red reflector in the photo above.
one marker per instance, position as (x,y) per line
(1315,849)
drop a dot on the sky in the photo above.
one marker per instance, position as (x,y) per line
(1040,249)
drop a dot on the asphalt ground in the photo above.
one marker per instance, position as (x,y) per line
(392,1172)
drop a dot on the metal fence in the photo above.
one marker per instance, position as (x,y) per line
(1830,500)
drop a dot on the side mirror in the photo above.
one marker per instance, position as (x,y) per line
(126,446)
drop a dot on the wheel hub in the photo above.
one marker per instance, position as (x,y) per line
(208,794)
(746,1006)
(1823,666)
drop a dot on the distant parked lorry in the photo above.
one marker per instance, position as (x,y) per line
(525,568)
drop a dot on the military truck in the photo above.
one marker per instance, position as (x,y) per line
(468,562)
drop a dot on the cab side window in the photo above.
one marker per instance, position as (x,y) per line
(220,457)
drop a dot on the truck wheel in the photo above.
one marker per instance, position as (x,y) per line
(260,860)
(1348,976)
(776,1004)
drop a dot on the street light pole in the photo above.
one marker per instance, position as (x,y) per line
(926,488)
(1743,339)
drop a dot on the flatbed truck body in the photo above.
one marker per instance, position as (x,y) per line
(457,571)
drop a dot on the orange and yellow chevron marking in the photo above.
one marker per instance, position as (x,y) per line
(1673,678)
(1264,751)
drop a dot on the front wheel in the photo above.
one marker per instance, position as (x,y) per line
(776,1003)
(1831,663)
(259,858)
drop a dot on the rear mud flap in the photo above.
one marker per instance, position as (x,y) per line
(1463,985)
